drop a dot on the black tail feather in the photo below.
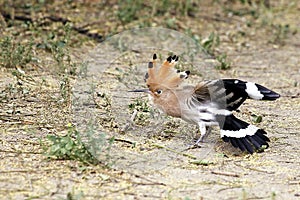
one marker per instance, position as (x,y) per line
(256,144)
(242,135)
(241,145)
(248,146)
(234,143)
(268,94)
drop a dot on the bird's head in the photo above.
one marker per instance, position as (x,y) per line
(161,80)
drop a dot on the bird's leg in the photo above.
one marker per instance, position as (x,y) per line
(204,132)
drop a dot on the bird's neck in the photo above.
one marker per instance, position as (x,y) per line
(173,101)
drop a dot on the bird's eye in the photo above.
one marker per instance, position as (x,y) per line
(158,91)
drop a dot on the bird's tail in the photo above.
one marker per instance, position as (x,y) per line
(241,134)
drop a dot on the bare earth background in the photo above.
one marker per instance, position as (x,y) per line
(149,158)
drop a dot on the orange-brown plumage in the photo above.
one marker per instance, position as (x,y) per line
(167,68)
(166,76)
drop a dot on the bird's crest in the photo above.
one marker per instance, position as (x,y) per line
(166,75)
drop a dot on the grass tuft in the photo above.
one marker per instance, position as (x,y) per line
(209,44)
(223,63)
(128,10)
(72,147)
(142,109)
(13,54)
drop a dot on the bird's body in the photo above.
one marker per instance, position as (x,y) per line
(208,103)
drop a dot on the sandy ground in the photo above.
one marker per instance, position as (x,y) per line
(149,157)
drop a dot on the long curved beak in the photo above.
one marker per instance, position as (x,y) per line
(140,90)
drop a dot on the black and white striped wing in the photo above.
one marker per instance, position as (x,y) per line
(231,93)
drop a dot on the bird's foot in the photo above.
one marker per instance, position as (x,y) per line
(201,139)
(196,144)
(193,146)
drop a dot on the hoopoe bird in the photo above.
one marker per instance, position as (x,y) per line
(207,104)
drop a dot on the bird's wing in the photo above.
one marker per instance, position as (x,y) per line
(231,93)
(201,92)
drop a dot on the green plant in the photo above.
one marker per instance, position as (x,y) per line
(72,147)
(142,109)
(178,8)
(14,53)
(206,45)
(131,10)
(186,7)
(210,43)
(196,38)
(256,118)
(242,12)
(99,144)
(139,105)
(223,63)
(273,195)
(58,46)
(128,10)
(243,8)
(202,162)
(19,88)
(73,195)
(171,23)
(65,89)
(280,33)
